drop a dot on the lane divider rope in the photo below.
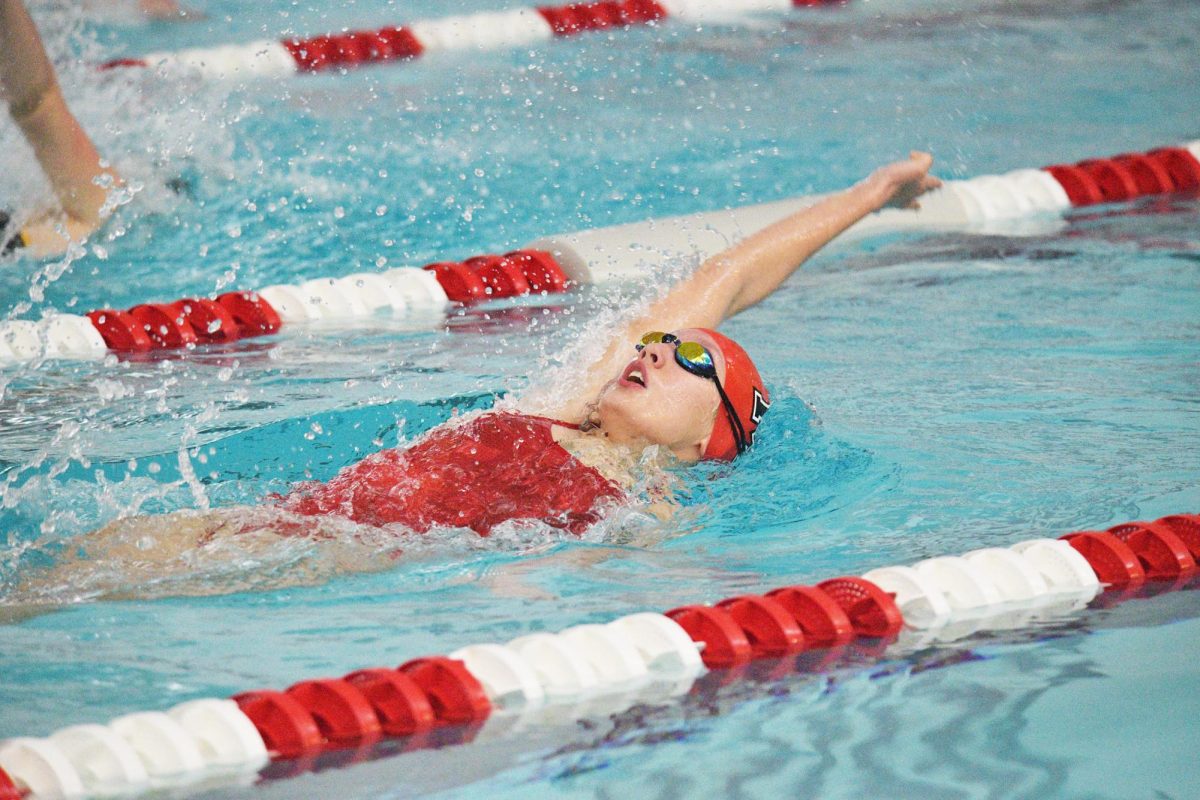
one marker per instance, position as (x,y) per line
(553,263)
(936,599)
(491,30)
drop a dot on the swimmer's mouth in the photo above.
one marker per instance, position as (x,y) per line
(633,376)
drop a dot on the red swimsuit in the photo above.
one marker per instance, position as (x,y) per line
(495,467)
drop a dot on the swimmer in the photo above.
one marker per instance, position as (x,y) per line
(668,380)
(80,179)
(666,384)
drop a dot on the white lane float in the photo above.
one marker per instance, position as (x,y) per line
(965,586)
(165,748)
(224,736)
(40,767)
(509,680)
(1016,578)
(562,670)
(104,761)
(613,656)
(1059,564)
(663,645)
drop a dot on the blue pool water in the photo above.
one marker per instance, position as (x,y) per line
(934,394)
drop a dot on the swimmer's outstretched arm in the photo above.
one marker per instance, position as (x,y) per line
(741,276)
(63,150)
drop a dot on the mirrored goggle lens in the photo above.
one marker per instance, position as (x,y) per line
(695,358)
(657,337)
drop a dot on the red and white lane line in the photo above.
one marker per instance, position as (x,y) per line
(493,30)
(551,264)
(937,599)
(194,321)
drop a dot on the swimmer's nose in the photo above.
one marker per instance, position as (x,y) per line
(654,353)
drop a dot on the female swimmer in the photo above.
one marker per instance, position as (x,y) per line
(667,380)
(80,180)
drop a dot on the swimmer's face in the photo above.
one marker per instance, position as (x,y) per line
(656,401)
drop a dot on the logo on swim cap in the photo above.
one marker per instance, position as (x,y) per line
(756,413)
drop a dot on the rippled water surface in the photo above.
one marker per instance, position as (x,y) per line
(933,393)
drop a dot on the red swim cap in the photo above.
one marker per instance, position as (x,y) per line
(746,392)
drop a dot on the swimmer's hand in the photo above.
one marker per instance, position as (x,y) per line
(899,185)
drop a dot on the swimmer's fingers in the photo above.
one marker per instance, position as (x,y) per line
(928,184)
(901,183)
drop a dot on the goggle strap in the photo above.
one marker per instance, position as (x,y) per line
(735,422)
(708,371)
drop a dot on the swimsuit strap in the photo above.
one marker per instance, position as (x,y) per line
(562,423)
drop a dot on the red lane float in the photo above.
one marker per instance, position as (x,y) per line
(872,612)
(494,277)
(399,703)
(725,642)
(1128,176)
(1113,560)
(350,49)
(210,320)
(1163,554)
(580,17)
(769,627)
(252,315)
(8,789)
(121,332)
(501,276)
(287,728)
(823,622)
(342,713)
(461,283)
(165,326)
(454,693)
(1187,528)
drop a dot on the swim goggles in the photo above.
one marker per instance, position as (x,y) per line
(695,358)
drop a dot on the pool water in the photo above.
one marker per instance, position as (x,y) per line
(933,393)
